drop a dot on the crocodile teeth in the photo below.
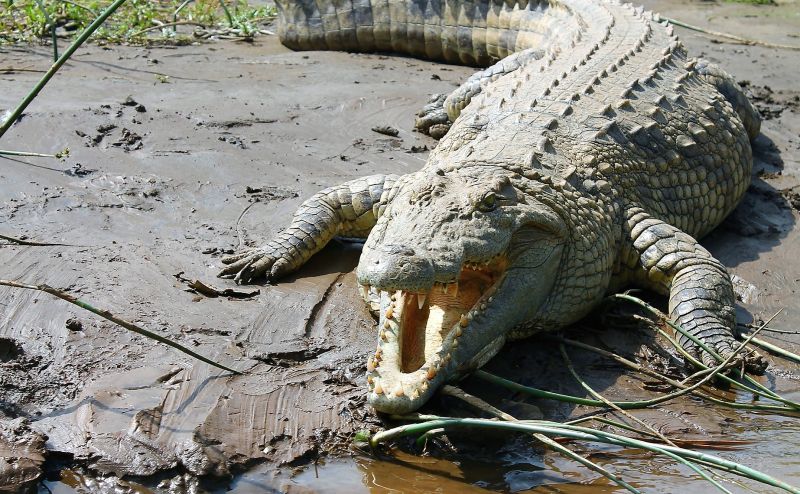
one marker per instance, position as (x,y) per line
(431,373)
(455,288)
(421,300)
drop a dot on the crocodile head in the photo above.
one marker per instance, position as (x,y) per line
(459,259)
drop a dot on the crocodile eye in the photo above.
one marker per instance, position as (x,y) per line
(488,203)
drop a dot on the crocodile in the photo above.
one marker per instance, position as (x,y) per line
(587,156)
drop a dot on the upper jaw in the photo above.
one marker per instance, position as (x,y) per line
(392,267)
(427,338)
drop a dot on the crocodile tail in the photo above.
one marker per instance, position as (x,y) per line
(469,32)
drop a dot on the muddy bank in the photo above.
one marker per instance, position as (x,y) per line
(178,156)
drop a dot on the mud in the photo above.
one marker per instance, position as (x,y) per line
(179,156)
(21,455)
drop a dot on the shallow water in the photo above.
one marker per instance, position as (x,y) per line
(518,468)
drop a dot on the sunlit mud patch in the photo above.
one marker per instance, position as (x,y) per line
(9,349)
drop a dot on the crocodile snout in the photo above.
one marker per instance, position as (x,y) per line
(396,267)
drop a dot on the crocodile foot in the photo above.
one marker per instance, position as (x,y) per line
(751,360)
(432,119)
(247,266)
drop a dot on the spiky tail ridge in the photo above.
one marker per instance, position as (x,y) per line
(467,32)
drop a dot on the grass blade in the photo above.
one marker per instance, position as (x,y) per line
(755,387)
(647,426)
(585,434)
(227,13)
(776,350)
(672,382)
(4,152)
(548,442)
(52,25)
(109,316)
(626,405)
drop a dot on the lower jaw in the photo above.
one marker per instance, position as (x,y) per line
(389,401)
(399,405)
(393,391)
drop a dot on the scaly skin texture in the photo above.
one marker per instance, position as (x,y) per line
(588,158)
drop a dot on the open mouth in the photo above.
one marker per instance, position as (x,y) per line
(420,332)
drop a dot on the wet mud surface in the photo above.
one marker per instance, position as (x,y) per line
(180,156)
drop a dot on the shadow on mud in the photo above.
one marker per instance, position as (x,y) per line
(759,224)
(762,219)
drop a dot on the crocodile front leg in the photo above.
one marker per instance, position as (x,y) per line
(701,299)
(350,209)
(432,120)
(442,110)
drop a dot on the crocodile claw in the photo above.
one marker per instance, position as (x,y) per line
(248,266)
(432,119)
(755,363)
(751,360)
(235,257)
